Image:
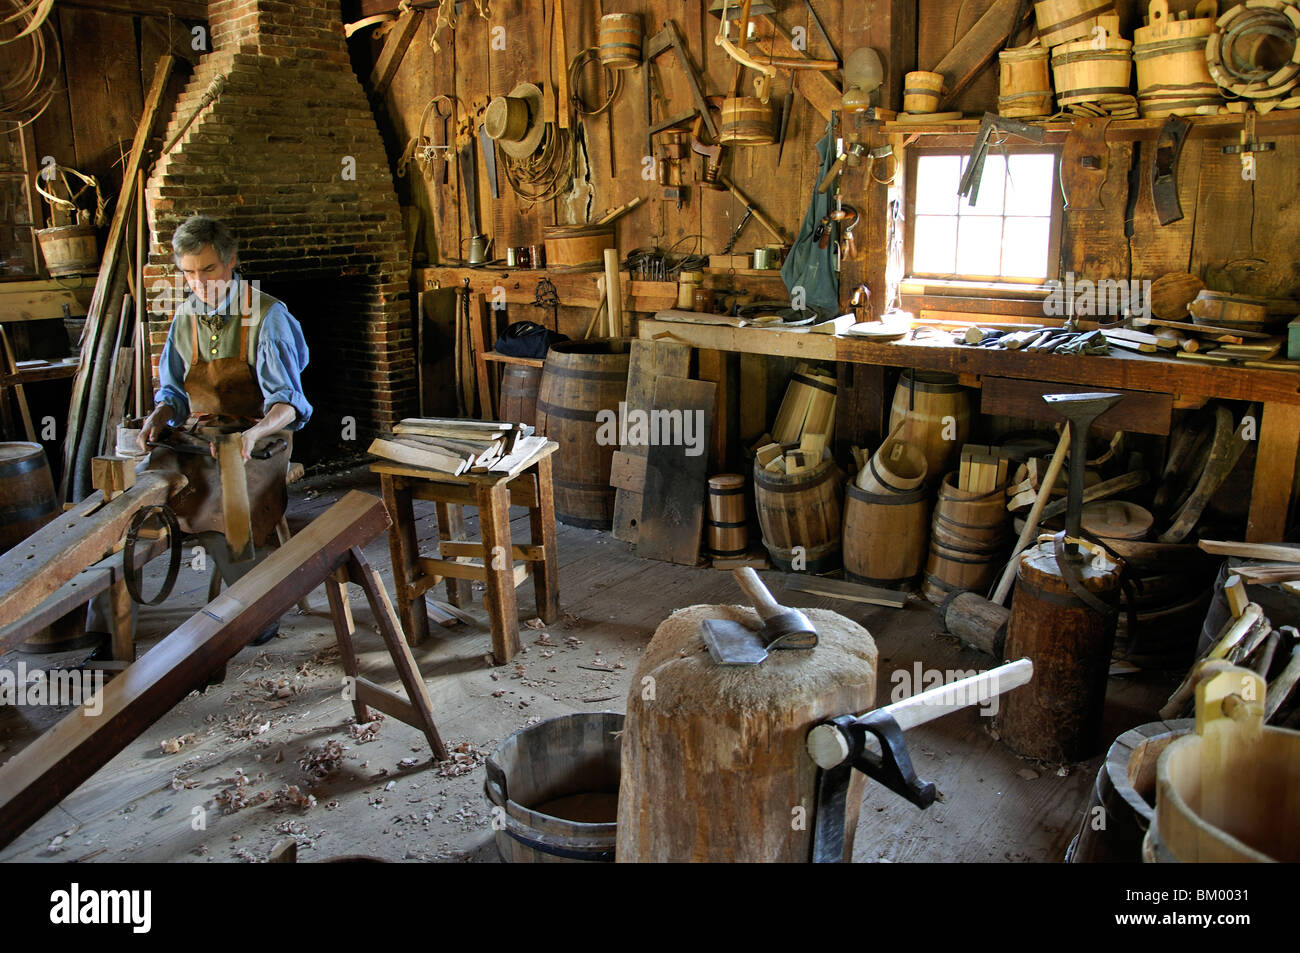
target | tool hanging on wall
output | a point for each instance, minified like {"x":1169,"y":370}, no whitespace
{"x":711,"y":151}
{"x":1164,"y":170}
{"x":489,"y":149}
{"x":670,"y":38}
{"x":1248,"y":147}
{"x":970,"y":180}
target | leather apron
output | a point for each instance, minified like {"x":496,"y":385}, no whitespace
{"x":224,"y":398}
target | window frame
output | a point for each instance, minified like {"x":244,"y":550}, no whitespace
{"x":916,"y":151}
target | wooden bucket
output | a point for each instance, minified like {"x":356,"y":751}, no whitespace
{"x":27,"y":497}
{"x":885,"y":515}
{"x":1085,"y":72}
{"x":922,"y":91}
{"x":1024,"y":83}
{"x":519,"y":383}
{"x":934,"y":411}
{"x":1060,"y":21}
{"x":553,"y":787}
{"x":1169,"y":58}
{"x":801,"y":512}
{"x":728,"y":529}
{"x":968,"y":539}
{"x":577,"y":247}
{"x":69,"y":249}
{"x":1242,"y":312}
{"x":620,"y":40}
{"x":580,"y":379}
{"x":1124,"y":796}
{"x":746,"y":121}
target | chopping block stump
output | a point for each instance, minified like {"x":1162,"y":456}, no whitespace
{"x":714,"y":764}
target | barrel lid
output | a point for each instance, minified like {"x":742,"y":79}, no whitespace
{"x":726,"y":481}
{"x":19,"y":450}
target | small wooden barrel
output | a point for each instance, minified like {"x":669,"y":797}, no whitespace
{"x":934,"y":411}
{"x":897,"y":467}
{"x":553,"y":787}
{"x":1242,"y":312}
{"x":728,"y":532}
{"x":1057,"y":716}
{"x":69,"y":249}
{"x":579,"y":380}
{"x":577,"y":247}
{"x":1169,"y":58}
{"x":27,"y":497}
{"x":1124,"y":796}
{"x":519,"y":383}
{"x":715,"y":758}
{"x":1060,"y":21}
{"x":800,"y":516}
{"x":1024,"y":83}
{"x":746,"y":121}
{"x":884,"y":536}
{"x":620,"y":40}
{"x":968,"y":539}
{"x":1086,"y":72}
{"x":922,"y":90}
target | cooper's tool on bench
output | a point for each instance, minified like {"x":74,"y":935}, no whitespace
{"x":840,"y":745}
{"x":970,"y":180}
{"x":731,"y":643}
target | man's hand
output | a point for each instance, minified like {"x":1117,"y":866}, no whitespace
{"x":277,"y":418}
{"x":154,"y":426}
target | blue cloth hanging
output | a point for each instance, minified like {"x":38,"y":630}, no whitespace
{"x":809,"y":267}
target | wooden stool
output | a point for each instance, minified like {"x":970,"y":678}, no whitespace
{"x":493,"y":494}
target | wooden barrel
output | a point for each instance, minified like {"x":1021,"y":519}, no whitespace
{"x":579,"y":380}
{"x":1060,"y":21}
{"x":746,"y":121}
{"x":922,"y":90}
{"x":884,"y":536}
{"x":934,"y":412}
{"x":577,"y":247}
{"x":968,"y":539}
{"x":1124,"y":796}
{"x":69,"y":249}
{"x":553,"y":787}
{"x":1024,"y":83}
{"x":519,"y":383}
{"x":728,"y":529}
{"x":27,"y":498}
{"x":800,"y":516}
{"x":1169,"y":58}
{"x":1057,"y":716}
{"x":1087,"y":72}
{"x":715,"y":759}
{"x":620,"y":40}
{"x":1240,"y":312}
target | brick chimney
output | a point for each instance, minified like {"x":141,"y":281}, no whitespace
{"x":289,"y":154}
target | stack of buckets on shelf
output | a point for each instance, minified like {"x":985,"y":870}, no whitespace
{"x":1092,"y":65}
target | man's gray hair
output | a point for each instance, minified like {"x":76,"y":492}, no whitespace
{"x":198,"y":231}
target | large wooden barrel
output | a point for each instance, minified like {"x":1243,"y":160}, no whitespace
{"x":885,"y":525}
{"x":1057,"y":716}
{"x":800,"y":516}
{"x":69,"y":249}
{"x":934,"y":412}
{"x":922,"y":91}
{"x":620,"y":40}
{"x":519,"y":383}
{"x":746,"y":121}
{"x":1124,"y":796}
{"x":1024,"y":83}
{"x":715,"y":762}
{"x":27,"y":498}
{"x":728,"y":528}
{"x":579,"y":380}
{"x":1060,"y":21}
{"x":1169,"y":58}
{"x":553,"y":787}
{"x":1086,"y":71}
{"x":968,"y":539}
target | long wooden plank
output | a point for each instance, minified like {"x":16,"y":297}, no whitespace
{"x":977,"y":48}
{"x":675,"y":474}
{"x":49,"y":769}
{"x":395,"y":46}
{"x":236,"y":512}
{"x":838,"y":589}
{"x":1138,"y":412}
{"x":1275,"y":462}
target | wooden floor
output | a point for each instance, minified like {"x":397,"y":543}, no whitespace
{"x":279,"y":728}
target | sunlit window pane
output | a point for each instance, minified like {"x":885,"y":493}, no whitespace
{"x":989,"y":201}
{"x":937,"y":179}
{"x":1024,"y":247}
{"x":934,"y":245}
{"x":1030,"y":181}
{"x":979,"y":241}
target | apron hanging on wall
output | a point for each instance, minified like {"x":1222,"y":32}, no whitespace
{"x":808,"y":266}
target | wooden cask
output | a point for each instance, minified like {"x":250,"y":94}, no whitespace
{"x":1057,"y":716}
{"x":1085,"y":71}
{"x":800,"y":516}
{"x":1024,"y":83}
{"x":746,"y":121}
{"x":69,"y":249}
{"x":715,"y":766}
{"x":922,"y":90}
{"x":519,"y":383}
{"x":1238,"y":312}
{"x":968,"y":540}
{"x":933,"y":411}
{"x":577,"y":247}
{"x":620,"y":40}
{"x":1169,"y":58}
{"x":553,"y":787}
{"x":1060,"y":21}
{"x":727,"y":525}
{"x":27,"y":497}
{"x":579,"y":380}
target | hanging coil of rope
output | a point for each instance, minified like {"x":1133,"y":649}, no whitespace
{"x":30,"y":88}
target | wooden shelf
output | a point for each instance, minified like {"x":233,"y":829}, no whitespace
{"x":1277,"y":122}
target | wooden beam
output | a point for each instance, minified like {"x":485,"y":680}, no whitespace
{"x":395,"y":45}
{"x":182,"y":9}
{"x":1275,"y":461}
{"x":49,"y":769}
{"x":978,"y":47}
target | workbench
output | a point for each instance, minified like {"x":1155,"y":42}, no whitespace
{"x":1185,"y":382}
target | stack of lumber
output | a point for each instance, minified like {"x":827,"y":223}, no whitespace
{"x":807,"y":408}
{"x":456,"y":446}
{"x":983,"y":469}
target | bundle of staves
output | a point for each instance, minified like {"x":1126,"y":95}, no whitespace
{"x":808,"y":406}
{"x":457,"y":446}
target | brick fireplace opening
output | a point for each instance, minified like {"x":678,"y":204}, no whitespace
{"x":289,"y":154}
